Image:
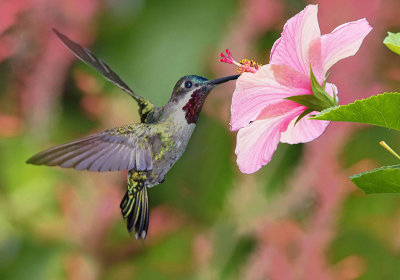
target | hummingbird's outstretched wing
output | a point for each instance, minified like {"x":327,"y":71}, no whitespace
{"x":122,"y":148}
{"x":88,"y":57}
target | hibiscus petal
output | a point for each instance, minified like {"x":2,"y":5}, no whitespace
{"x":281,"y":108}
{"x":269,"y":85}
{"x":298,"y":33}
{"x":304,"y":131}
{"x":307,"y":130}
{"x":257,"y":142}
{"x":331,"y":89}
{"x":343,"y":41}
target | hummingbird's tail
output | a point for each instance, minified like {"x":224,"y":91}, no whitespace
{"x":135,"y":205}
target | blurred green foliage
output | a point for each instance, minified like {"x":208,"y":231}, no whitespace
{"x":366,"y":230}
{"x":165,"y":41}
{"x":204,"y":196}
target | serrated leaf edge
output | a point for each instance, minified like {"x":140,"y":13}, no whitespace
{"x":396,"y":166}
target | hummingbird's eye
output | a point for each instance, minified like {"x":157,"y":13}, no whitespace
{"x":188,"y":84}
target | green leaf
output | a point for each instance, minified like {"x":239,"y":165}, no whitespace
{"x":309,"y":101}
{"x":326,"y":80}
{"x":382,"y":110}
{"x":305,"y":113}
{"x":381,"y":180}
{"x":320,"y":92}
{"x":392,"y":41}
{"x":318,"y":101}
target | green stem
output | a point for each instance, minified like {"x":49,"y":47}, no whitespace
{"x":390,"y":150}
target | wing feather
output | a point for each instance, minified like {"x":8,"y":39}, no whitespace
{"x":89,"y":58}
{"x":74,"y":158}
{"x":105,"y":163}
{"x":110,"y":150}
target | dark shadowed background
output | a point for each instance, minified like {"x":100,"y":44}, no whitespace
{"x":298,"y":218}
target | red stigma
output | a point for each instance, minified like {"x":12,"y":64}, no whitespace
{"x":242,"y":66}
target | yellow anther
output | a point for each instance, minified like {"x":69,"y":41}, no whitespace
{"x":247,"y":65}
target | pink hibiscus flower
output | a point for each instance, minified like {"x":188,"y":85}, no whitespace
{"x":259,"y":109}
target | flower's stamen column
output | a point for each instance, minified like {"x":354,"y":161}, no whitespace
{"x":244,"y":65}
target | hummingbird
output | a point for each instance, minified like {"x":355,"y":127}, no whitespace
{"x":147,"y":150}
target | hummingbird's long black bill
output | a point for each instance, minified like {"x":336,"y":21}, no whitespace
{"x":223,"y":80}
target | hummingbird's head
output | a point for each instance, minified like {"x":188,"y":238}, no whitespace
{"x":191,"y":91}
